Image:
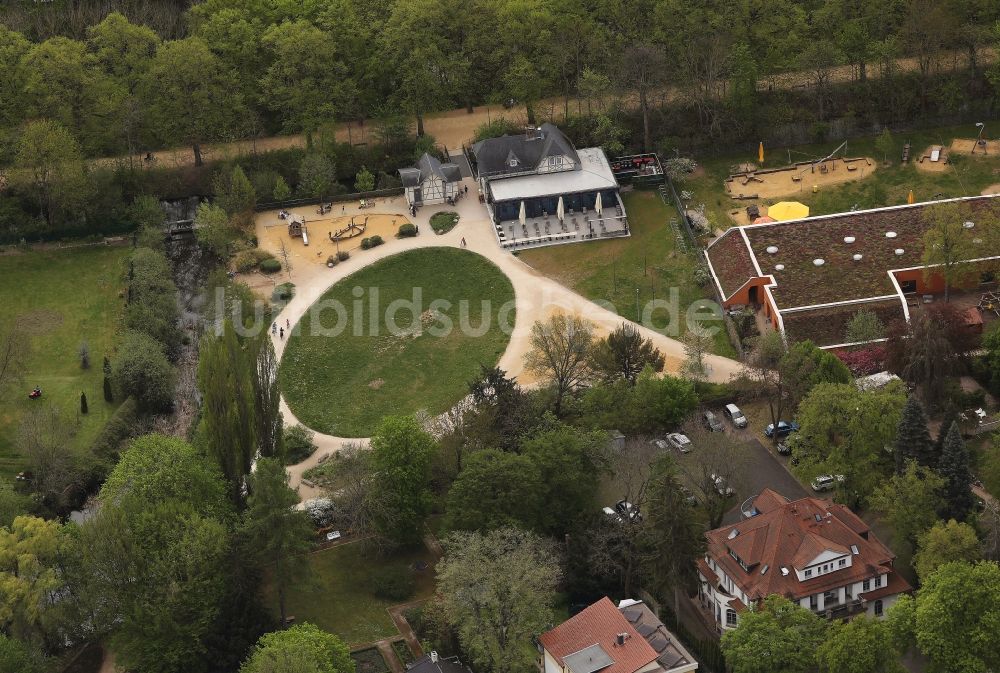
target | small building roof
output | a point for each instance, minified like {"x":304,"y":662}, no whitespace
{"x":594,"y":175}
{"x":431,"y":663}
{"x":529,"y":149}
{"x":428,"y":166}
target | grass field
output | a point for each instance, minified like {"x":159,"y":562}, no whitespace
{"x":648,"y":261}
{"x":61,"y":298}
{"x":344,"y":384}
{"x":889,"y":185}
{"x":338,"y":596}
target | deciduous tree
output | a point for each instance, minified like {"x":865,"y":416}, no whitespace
{"x":496,"y":489}
{"x":624,"y":353}
{"x":910,"y":502}
{"x":776,"y":636}
{"x":943,"y":543}
{"x":858,"y":646}
{"x":560,"y":349}
{"x":303,"y":648}
{"x":51,"y":165}
{"x":401,"y":456}
{"x":141,"y":369}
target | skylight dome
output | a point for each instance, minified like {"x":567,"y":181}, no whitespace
{"x":858,"y":257}
{"x":772,"y":249}
{"x":899,"y":251}
{"x":890,"y":234}
{"x":819,"y":261}
{"x":779,"y":267}
{"x":849,"y":239}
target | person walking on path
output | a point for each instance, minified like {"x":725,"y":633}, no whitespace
{"x":281,"y":332}
{"x":274,"y":328}
{"x":463,"y":241}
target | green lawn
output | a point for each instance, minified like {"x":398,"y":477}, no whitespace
{"x":444,"y":222}
{"x":61,"y":297}
{"x":344,"y":384}
{"x":648,"y":261}
{"x":888,"y":186}
{"x":338,"y":597}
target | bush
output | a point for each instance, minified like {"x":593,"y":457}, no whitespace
{"x":270,"y":266}
{"x":117,"y":429}
{"x":248,"y":260}
{"x":299,"y":444}
{"x":283,"y":292}
{"x":142,"y":370}
{"x":332,"y":260}
{"x":701,"y":275}
{"x":366,"y":243}
{"x":343,"y":255}
{"x":407,"y":230}
{"x":393,"y":584}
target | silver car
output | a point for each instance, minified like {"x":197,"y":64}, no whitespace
{"x":679,"y":441}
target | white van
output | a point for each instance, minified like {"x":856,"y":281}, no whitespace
{"x":734,"y":414}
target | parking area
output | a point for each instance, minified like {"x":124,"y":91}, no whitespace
{"x":765,"y":470}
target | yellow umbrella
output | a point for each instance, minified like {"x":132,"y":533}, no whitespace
{"x":788,"y":210}
{"x":909,"y":197}
{"x":760,"y":152}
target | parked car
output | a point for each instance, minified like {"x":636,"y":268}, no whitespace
{"x":612,"y":514}
{"x":627,"y":510}
{"x":721,"y":487}
{"x":734,"y":414}
{"x":679,"y":441}
{"x":784,"y":429}
{"x":825,"y":482}
{"x":712,"y":422}
{"x":784,"y":449}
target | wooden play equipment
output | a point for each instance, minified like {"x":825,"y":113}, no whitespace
{"x":297,"y":228}
{"x":835,"y":168}
{"x":352,"y":230}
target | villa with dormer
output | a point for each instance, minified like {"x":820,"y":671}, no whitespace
{"x":818,"y":554}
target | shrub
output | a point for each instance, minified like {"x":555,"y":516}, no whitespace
{"x":321,"y":511}
{"x":270,"y":266}
{"x":393,"y":584}
{"x":865,"y":360}
{"x":343,"y":255}
{"x":407,"y":230}
{"x":299,"y":444}
{"x":249,"y":259}
{"x":701,"y":275}
{"x":142,"y":370}
{"x":283,"y":292}
{"x":366,"y":243}
{"x":375,"y":241}
{"x":332,"y":260}
{"x":117,"y":429}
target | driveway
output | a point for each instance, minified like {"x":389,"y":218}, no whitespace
{"x":765,"y":470}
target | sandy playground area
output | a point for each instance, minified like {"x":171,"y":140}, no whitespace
{"x":965,"y":145}
{"x":926,"y":164}
{"x":798,"y":178}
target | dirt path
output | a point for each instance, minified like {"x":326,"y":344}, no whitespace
{"x":454,"y":127}
{"x":385,"y":647}
{"x":399,"y":619}
{"x":536,"y":296}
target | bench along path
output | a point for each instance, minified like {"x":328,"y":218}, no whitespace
{"x":537,"y":298}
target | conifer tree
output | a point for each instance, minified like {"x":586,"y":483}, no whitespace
{"x":954,"y":467}
{"x":83,"y":403}
{"x":913,"y":441}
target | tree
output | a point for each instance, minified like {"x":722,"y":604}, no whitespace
{"x":954,"y":467}
{"x":718,"y":456}
{"x":913,"y":440}
{"x":12,"y":504}
{"x":956,"y":617}
{"x":50,"y":166}
{"x":761,"y":373}
{"x":282,"y":192}
{"x":30,"y":581}
{"x":43,"y":438}
{"x":948,"y":244}
{"x":109,"y":395}
{"x":559,"y":351}
{"x":515,"y":575}
{"x":910,"y":502}
{"x":697,"y":344}
{"x":317,"y":175}
{"x":643,"y":69}
{"x":805,"y":366}
{"x":192,"y":96}
{"x":493,"y":490}
{"x":672,"y":530}
{"x":943,"y":543}
{"x":225,"y":376}
{"x":776,"y":636}
{"x":141,"y":370}
{"x":302,"y":648}
{"x":15,"y":656}
{"x":401,"y":456}
{"x":267,"y":396}
{"x":14,"y":348}
{"x":214,"y":230}
{"x":653,"y":404}
{"x":235,"y":194}
{"x":885,"y":145}
{"x":279,"y":533}
{"x":623,"y":354}
{"x":857,"y":646}
{"x":844,"y":430}
{"x":364,"y":181}
{"x":151,"y":299}
{"x":863,"y":327}
{"x":928,"y":355}
{"x":83,"y":403}
{"x":501,"y":415}
{"x":147,"y":213}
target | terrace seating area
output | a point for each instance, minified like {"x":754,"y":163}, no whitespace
{"x":548,"y":229}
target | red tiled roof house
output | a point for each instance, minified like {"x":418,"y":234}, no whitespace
{"x":817,"y":554}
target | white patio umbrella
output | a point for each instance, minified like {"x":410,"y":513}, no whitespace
{"x":522,"y":216}
{"x":597,"y":204}
{"x":561,"y":210}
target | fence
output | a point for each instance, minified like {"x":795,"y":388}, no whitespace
{"x":337,"y":198}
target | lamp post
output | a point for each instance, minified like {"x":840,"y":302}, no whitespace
{"x":638,"y":315}
{"x":979,"y":138}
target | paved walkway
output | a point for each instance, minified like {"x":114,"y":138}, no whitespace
{"x":537,"y":297}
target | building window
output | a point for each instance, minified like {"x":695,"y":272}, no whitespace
{"x":829,"y":597}
{"x":878,"y":581}
{"x":730,"y":617}
{"x":878,"y":608}
{"x":866,"y":585}
{"x":848,"y":592}
{"x":813,"y":602}
{"x":809,"y":572}
{"x":842,"y":562}
{"x":908,"y":286}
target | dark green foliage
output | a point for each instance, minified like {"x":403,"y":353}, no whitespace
{"x":16,"y":657}
{"x":373,"y":242}
{"x":151,"y":298}
{"x":651,"y":405}
{"x":283,"y":292}
{"x":444,"y":222}
{"x":141,"y":370}
{"x":299,"y":445}
{"x":270,"y":266}
{"x":83,"y":403}
{"x":913,"y":441}
{"x":393,"y":584}
{"x":117,"y":429}
{"x":493,"y":490}
{"x":401,"y":453}
{"x":954,"y":467}
{"x":623,"y":354}
{"x":343,"y":255}
{"x":109,"y":395}
{"x":407,"y":230}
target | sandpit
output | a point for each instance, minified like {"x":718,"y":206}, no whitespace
{"x":992,"y":189}
{"x":926,"y":164}
{"x":798,"y":178}
{"x":965,"y":145}
{"x":272,"y":231}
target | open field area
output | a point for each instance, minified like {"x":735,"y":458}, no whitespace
{"x":649,"y":261}
{"x":339,"y":598}
{"x":344,"y":384}
{"x":60,"y":298}
{"x":965,"y":175}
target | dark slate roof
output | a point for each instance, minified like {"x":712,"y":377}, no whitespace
{"x":443,"y":665}
{"x":428,"y":165}
{"x":493,"y":154}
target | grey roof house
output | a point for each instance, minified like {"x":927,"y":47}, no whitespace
{"x":432,"y":663}
{"x":430,"y":181}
